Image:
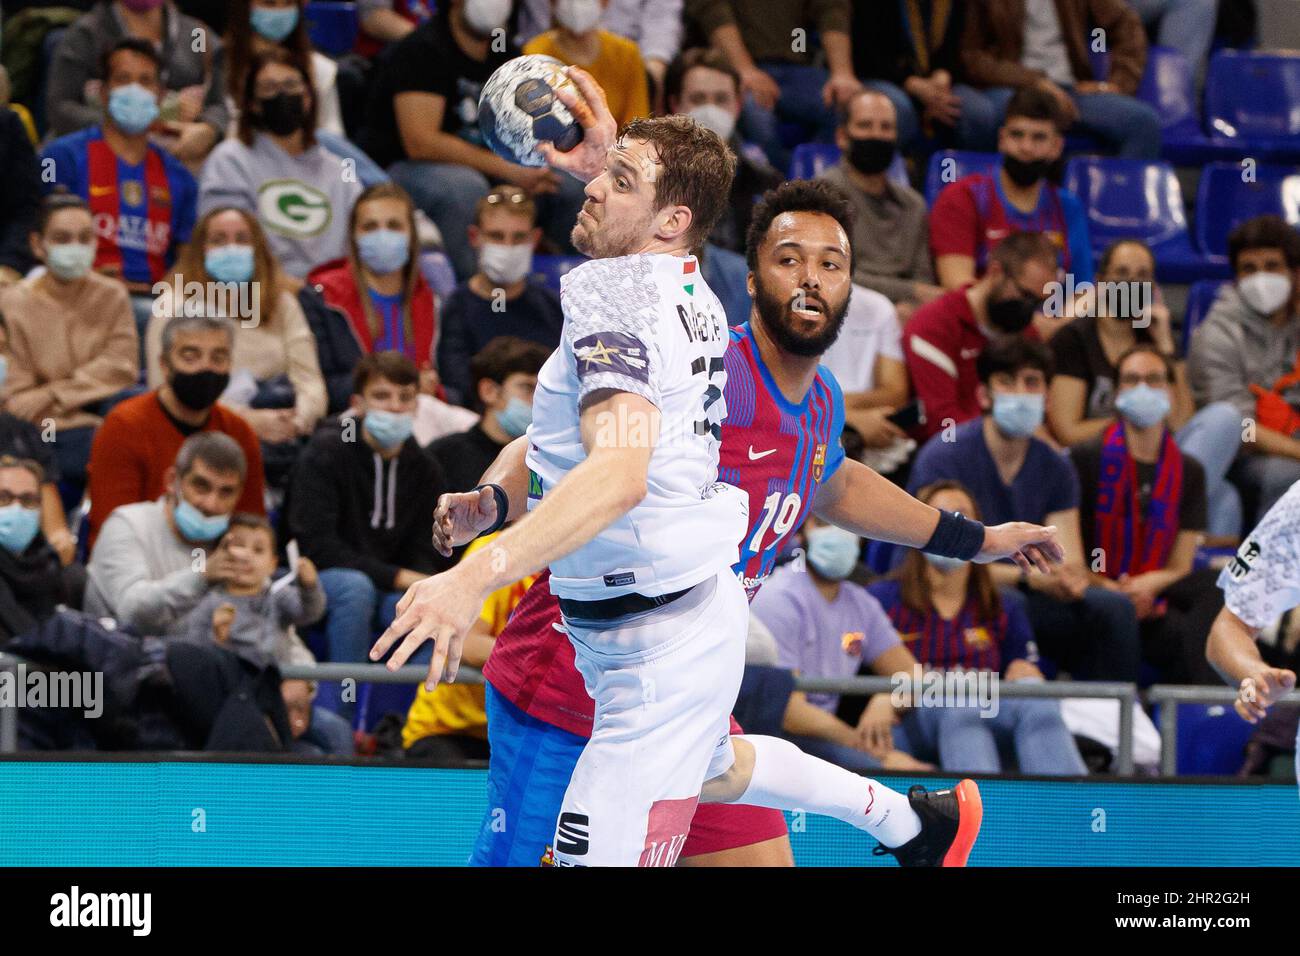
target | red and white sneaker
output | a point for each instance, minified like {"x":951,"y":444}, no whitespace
{"x":950,"y":822}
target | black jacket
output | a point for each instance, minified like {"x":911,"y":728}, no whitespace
{"x":349,"y":508}
{"x":32,"y":585}
{"x":21,"y":194}
{"x":337,"y":348}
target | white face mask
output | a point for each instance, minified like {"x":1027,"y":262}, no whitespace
{"x":484,"y":16}
{"x":713,"y":117}
{"x":1265,"y":292}
{"x":505,"y":265}
{"x":578,"y":16}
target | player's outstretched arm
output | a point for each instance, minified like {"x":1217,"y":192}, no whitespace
{"x":859,"y":499}
{"x":607,"y":484}
{"x":1235,"y":655}
{"x":586,"y":160}
{"x":460,"y":517}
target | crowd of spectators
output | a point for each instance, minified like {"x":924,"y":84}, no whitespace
{"x":261,"y":306}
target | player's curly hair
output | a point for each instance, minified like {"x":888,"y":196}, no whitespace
{"x":797,"y":195}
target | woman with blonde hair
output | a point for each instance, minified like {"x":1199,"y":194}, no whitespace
{"x":228,"y":270}
{"x":378,"y":285}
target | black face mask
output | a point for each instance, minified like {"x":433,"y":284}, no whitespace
{"x":282,"y":114}
{"x":198,"y":390}
{"x":1013,"y":315}
{"x":1026,"y":172}
{"x":871,"y":156}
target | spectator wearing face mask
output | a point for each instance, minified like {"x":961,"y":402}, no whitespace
{"x":614,"y":61}
{"x":944,"y":338}
{"x":379,"y":288}
{"x":187,"y":104}
{"x":72,"y":338}
{"x":33,"y":581}
{"x":275,"y":381}
{"x":827,"y":626}
{"x":142,"y":198}
{"x":504,"y":374}
{"x":952,"y":617}
{"x":972,"y":215}
{"x":702,"y":84}
{"x":1089,"y":630}
{"x":500,"y":298}
{"x":1247,"y":352}
{"x":139,"y":439}
{"x":276,"y":170}
{"x":891,"y":235}
{"x":361,"y":505}
{"x":1081,"y":402}
{"x":655,"y":26}
{"x":1142,"y":522}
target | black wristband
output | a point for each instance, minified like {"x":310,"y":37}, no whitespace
{"x":503,"y":507}
{"x":956,"y":536}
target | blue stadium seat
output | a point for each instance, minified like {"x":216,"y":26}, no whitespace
{"x":550,"y":268}
{"x":1252,"y":103}
{"x":331,"y":25}
{"x":810,"y":160}
{"x":949,"y":165}
{"x":1168,"y":86}
{"x":1223,"y":199}
{"x":1136,"y":199}
{"x":1200,"y":297}
{"x":1211,"y":739}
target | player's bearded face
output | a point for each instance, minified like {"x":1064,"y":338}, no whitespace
{"x":618,"y":217}
{"x":792,"y":332}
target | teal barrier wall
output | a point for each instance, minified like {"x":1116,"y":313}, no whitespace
{"x":67,"y":813}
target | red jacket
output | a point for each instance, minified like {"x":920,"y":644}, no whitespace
{"x":339,"y":289}
{"x":941,"y":344}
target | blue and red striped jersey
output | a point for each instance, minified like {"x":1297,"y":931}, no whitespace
{"x":968,"y":641}
{"x":142,"y":213}
{"x":776,"y":451}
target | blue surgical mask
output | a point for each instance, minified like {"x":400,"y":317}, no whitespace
{"x":1018,"y":414}
{"x":833,"y":552}
{"x":133,"y":108}
{"x":942,"y":563}
{"x":69,"y":260}
{"x":229,"y":263}
{"x":1143,"y":405}
{"x":18,"y":526}
{"x":274,"y":23}
{"x":384,"y":250}
{"x":389,"y":429}
{"x":194,"y":525}
{"x":515,"y":418}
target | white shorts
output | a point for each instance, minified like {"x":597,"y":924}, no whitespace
{"x":664,"y":683}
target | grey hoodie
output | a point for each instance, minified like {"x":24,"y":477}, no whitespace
{"x":1236,"y":346}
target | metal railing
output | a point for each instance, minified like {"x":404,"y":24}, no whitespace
{"x":1126,"y":694}
{"x":1173,"y":695}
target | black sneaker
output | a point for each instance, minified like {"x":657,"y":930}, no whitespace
{"x":950,"y":822}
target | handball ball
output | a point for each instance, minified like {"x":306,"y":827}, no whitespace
{"x":519,"y":109}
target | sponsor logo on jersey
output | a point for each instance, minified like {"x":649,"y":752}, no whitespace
{"x":620,"y":580}
{"x":101,"y":190}
{"x":668,"y":824}
{"x":1239,"y":567}
{"x":755,"y":456}
{"x":571,"y":834}
{"x":819,"y":462}
{"x":615,"y":352}
{"x":293,"y":208}
{"x":132,"y":192}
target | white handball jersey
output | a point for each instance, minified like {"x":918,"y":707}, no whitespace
{"x":645,"y":324}
{"x":1263,"y":581}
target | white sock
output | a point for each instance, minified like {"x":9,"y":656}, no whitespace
{"x":786,"y":778}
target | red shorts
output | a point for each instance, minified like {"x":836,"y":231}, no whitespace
{"x":726,"y":826}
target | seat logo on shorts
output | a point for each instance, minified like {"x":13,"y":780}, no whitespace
{"x":571,"y":834}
